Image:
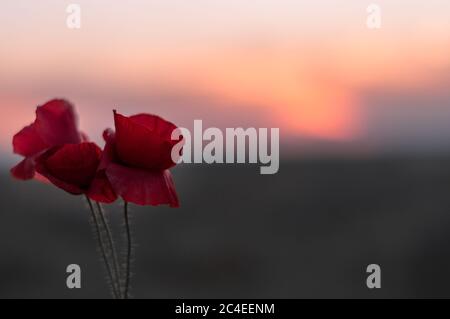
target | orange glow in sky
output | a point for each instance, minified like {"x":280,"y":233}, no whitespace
{"x":303,"y":68}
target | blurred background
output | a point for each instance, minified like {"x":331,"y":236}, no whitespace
{"x":365,"y":145}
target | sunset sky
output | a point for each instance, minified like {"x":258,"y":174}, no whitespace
{"x":313,"y":68}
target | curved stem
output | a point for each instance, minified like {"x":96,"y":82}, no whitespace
{"x":102,"y":247}
{"x":111,"y":246}
{"x":128,"y":260}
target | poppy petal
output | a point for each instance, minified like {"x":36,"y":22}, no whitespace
{"x":143,"y":187}
{"x":28,"y":142}
{"x":144,"y":141}
{"x":56,"y":123}
{"x":24,"y":170}
{"x":155,"y":124}
{"x":101,"y":189}
{"x":71,"y":167}
{"x":109,"y":154}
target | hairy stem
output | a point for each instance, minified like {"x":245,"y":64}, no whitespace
{"x":102,"y":248}
{"x":128,"y":256}
{"x":111,"y":247}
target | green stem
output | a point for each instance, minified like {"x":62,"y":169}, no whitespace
{"x":111,"y":246}
{"x":102,"y":247}
{"x":128,"y":260}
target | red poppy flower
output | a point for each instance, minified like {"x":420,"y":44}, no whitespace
{"x":55,"y":124}
{"x":137,"y":157}
{"x":74,"y":168}
{"x":57,"y":152}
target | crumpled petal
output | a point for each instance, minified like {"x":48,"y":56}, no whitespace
{"x":143,"y":187}
{"x":144,"y":141}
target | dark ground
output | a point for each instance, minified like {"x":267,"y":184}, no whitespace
{"x":309,"y":231}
